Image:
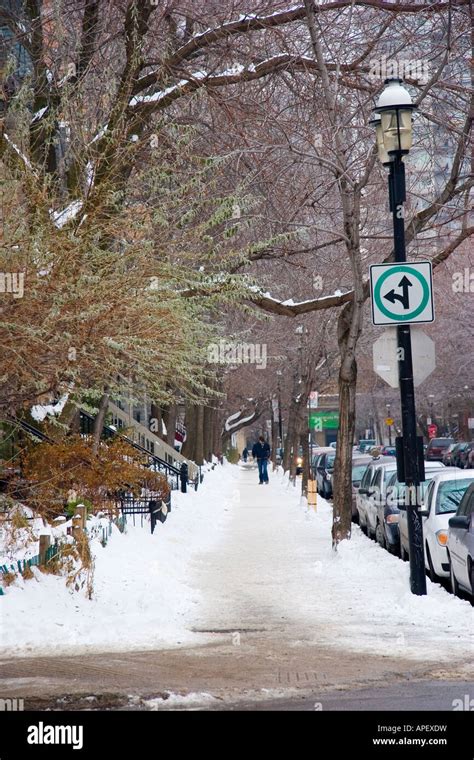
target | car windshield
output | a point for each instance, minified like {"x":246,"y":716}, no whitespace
{"x":358,"y":471}
{"x":400,"y":487}
{"x":388,"y":472}
{"x":450,"y":493}
{"x":441,"y":441}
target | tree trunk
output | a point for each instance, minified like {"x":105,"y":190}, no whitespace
{"x":216,"y":433}
{"x":188,"y":449}
{"x":290,"y":434}
{"x":99,"y":421}
{"x":156,"y":420}
{"x":274,"y":436}
{"x":171,"y":424}
{"x":306,"y":462}
{"x":199,"y":449}
{"x":295,"y":446}
{"x":207,"y":432}
{"x":349,"y":325}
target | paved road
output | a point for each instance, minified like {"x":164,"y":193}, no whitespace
{"x":399,"y":696}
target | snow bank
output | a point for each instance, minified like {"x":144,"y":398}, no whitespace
{"x":143,"y":593}
{"x":359,"y":598}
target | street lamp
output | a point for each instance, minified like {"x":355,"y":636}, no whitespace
{"x":393,"y":124}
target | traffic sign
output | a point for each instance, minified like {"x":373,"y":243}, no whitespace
{"x":323,"y":420}
{"x":389,"y":421}
{"x":386,"y":356}
{"x":432,"y":430}
{"x":401,"y":293}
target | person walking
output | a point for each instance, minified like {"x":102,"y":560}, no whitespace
{"x":261,"y":452}
{"x":245,"y":454}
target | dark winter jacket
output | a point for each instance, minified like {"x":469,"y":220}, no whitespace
{"x":261,"y":450}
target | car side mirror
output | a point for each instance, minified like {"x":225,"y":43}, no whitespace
{"x":424,"y":512}
{"x":460,"y":521}
{"x":363,"y":491}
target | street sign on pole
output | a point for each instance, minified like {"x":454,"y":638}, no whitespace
{"x":386,"y":356}
{"x":401,"y":293}
{"x":432,"y":430}
{"x":323,"y":420}
{"x":389,"y":421}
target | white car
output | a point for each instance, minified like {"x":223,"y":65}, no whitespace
{"x":441,"y":500}
{"x":461,"y":544}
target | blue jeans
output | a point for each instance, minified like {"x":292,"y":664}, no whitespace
{"x":262,"y":470}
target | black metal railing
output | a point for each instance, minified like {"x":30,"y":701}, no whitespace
{"x":154,"y":462}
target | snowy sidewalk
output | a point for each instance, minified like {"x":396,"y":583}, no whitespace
{"x":239,"y":560}
{"x":143,"y":589}
{"x":274,"y":571}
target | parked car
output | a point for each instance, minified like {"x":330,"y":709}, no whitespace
{"x":470,"y":459}
{"x":360,"y":463}
{"x":324,"y":472}
{"x":457,"y":452}
{"x":436,"y":448}
{"x":461,"y":545}
{"x":365,"y":444}
{"x":321,"y":450}
{"x":367,"y":489}
{"x":388,"y":451}
{"x":377,"y":492}
{"x":388,"y":513}
{"x":466,"y":457}
{"x":447,"y":454}
{"x":441,"y":501}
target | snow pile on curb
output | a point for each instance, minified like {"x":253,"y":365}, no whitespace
{"x":142,"y":595}
{"x":362,"y":594}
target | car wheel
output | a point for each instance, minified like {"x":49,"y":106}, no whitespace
{"x":431,"y":572}
{"x":454,"y":583}
{"x":380,"y":536}
{"x":393,"y":548}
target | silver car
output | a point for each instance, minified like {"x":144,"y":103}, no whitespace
{"x":372,"y":490}
{"x":461,"y":545}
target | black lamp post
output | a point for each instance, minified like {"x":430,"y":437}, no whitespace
{"x":393,"y":123}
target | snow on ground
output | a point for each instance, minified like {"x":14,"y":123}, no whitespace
{"x":234,"y":556}
{"x":359,"y":598}
{"x":176,"y":701}
{"x":275,"y":571}
{"x":142,"y":587}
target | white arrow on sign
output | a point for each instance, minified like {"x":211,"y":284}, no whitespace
{"x":401,"y":293}
{"x":386,"y":359}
